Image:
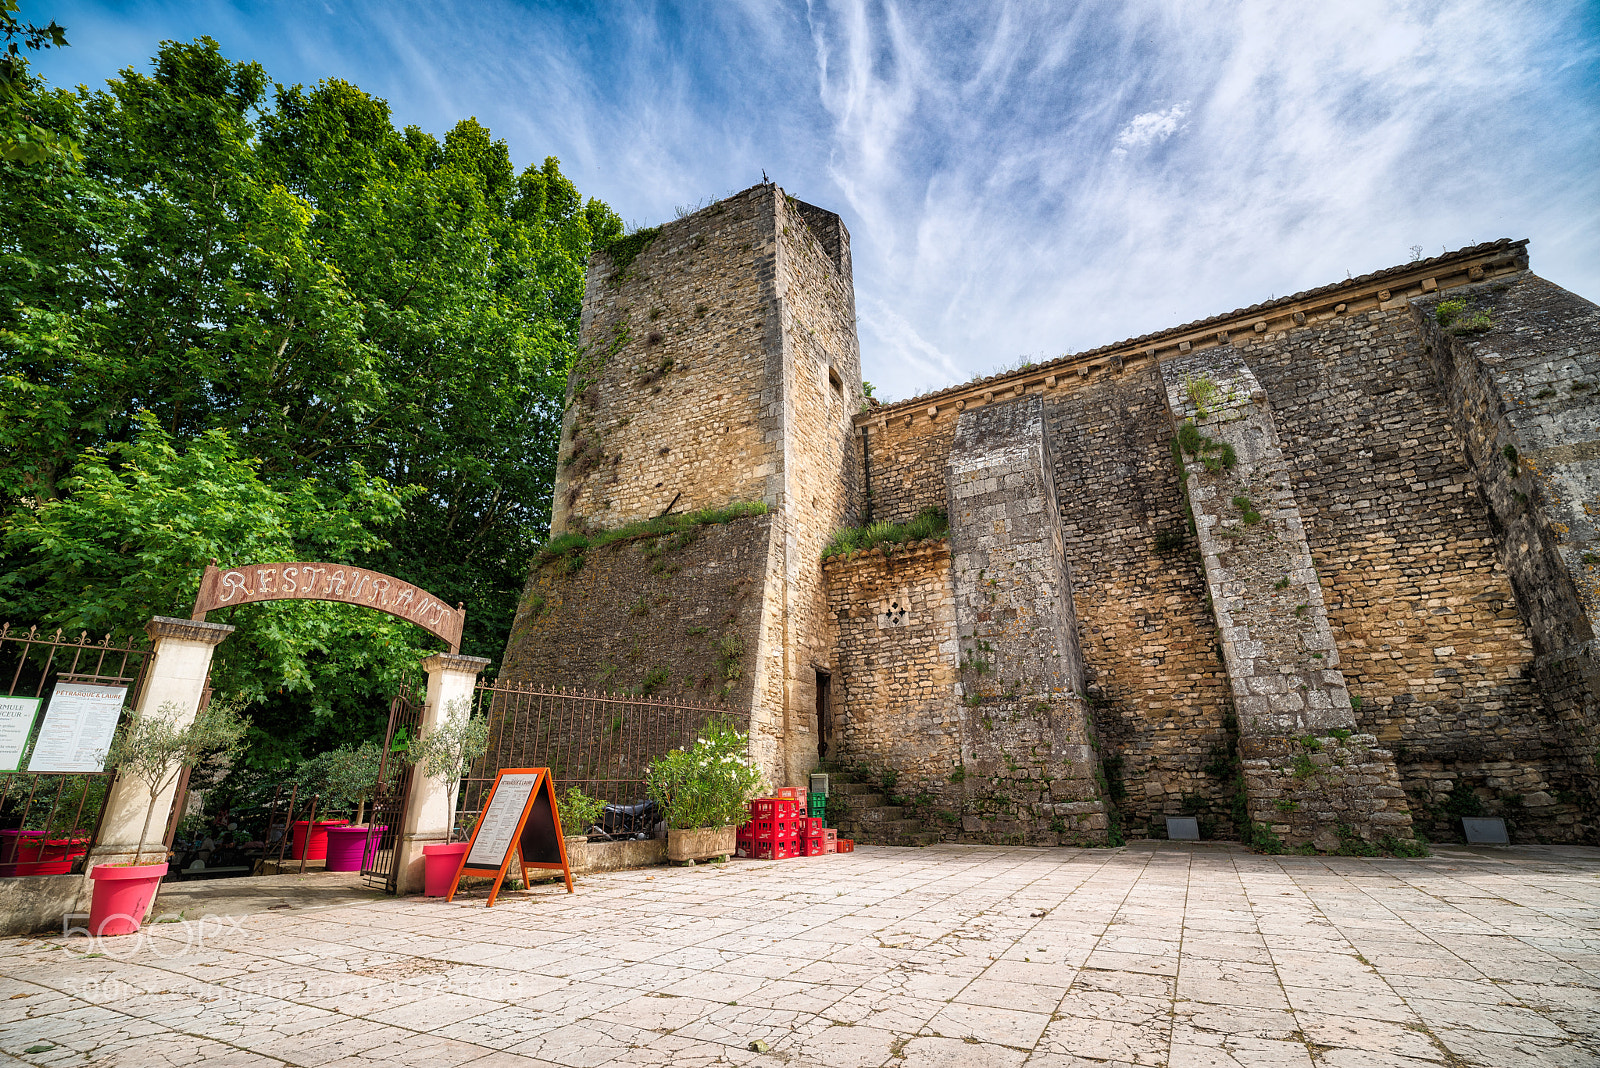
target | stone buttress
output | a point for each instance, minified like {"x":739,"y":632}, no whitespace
{"x":1029,"y":745}
{"x":1310,"y":775}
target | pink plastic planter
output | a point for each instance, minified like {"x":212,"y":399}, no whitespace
{"x":41,"y":867}
{"x":349,"y":847}
{"x":443,"y":862}
{"x":122,"y":894}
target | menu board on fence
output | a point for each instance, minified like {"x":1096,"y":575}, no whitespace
{"x":520,"y":816}
{"x":78,"y":726}
{"x":16,"y":723}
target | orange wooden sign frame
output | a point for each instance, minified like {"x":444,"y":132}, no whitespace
{"x":521,"y":841}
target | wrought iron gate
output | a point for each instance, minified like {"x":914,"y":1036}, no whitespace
{"x":380,"y":866}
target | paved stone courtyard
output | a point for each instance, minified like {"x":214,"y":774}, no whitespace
{"x":1153,"y":954}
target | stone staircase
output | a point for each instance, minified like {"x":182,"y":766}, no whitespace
{"x":859,"y":809}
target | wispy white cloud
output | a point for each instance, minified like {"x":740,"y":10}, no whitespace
{"x":1019,"y":176}
{"x":1150,"y":128}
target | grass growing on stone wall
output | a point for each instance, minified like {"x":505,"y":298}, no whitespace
{"x":1170,"y":539}
{"x":626,"y":248}
{"x":729,"y":651}
{"x":654,"y":679}
{"x":1203,"y":393}
{"x":929,"y":523}
{"x":1217,"y":456}
{"x":1461,"y":317}
{"x":571,"y":548}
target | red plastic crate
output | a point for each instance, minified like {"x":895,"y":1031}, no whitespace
{"x":746,"y":847}
{"x":847,"y":845}
{"x":788,"y":793}
{"x":811,"y":825}
{"x":764,"y":808}
{"x":814,"y":845}
{"x":788,"y":807}
{"x":786,"y":848}
{"x":830,"y":842}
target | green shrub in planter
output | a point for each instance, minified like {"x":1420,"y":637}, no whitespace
{"x":707,"y":784}
{"x":579,"y":811}
{"x":345,"y":779}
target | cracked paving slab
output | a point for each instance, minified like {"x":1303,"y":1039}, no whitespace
{"x":1163,"y":954}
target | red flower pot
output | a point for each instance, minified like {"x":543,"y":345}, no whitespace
{"x":122,"y":894}
{"x":318,"y":834}
{"x":13,"y":842}
{"x":60,"y":849}
{"x":40,"y":867}
{"x":443,"y":861}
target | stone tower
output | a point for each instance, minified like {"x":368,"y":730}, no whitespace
{"x":719,"y":366}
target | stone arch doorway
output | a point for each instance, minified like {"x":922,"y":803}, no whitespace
{"x":180,"y":663}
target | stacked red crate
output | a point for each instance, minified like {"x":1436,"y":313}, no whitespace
{"x":773,"y":831}
{"x":779,"y":829}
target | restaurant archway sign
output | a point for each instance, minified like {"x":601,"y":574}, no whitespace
{"x":293,"y":580}
{"x":180,"y":663}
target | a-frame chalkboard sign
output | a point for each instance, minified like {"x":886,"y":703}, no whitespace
{"x":519,"y":816}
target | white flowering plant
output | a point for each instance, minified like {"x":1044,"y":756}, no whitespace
{"x":709,"y":783}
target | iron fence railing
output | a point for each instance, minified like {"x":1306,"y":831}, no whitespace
{"x":600,"y":743}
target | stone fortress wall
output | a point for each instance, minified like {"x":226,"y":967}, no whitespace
{"x":1436,"y":638}
{"x":1402,"y":635}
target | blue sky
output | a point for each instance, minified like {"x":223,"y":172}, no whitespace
{"x":1019,"y":179}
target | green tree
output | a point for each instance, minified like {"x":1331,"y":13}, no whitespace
{"x":22,"y":141}
{"x":344,"y":779}
{"x":366,"y":314}
{"x":138,"y":520}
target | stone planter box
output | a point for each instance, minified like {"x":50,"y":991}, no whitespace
{"x":585,"y":856}
{"x":702,"y":843}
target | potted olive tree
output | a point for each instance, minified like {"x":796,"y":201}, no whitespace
{"x":351,"y":779}
{"x":705,"y":791}
{"x":444,"y":754}
{"x":151,"y":749}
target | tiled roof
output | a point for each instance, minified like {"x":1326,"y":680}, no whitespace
{"x":1364,"y":281}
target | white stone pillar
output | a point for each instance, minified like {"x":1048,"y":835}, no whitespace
{"x":176,"y":676}
{"x":451,"y":677}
